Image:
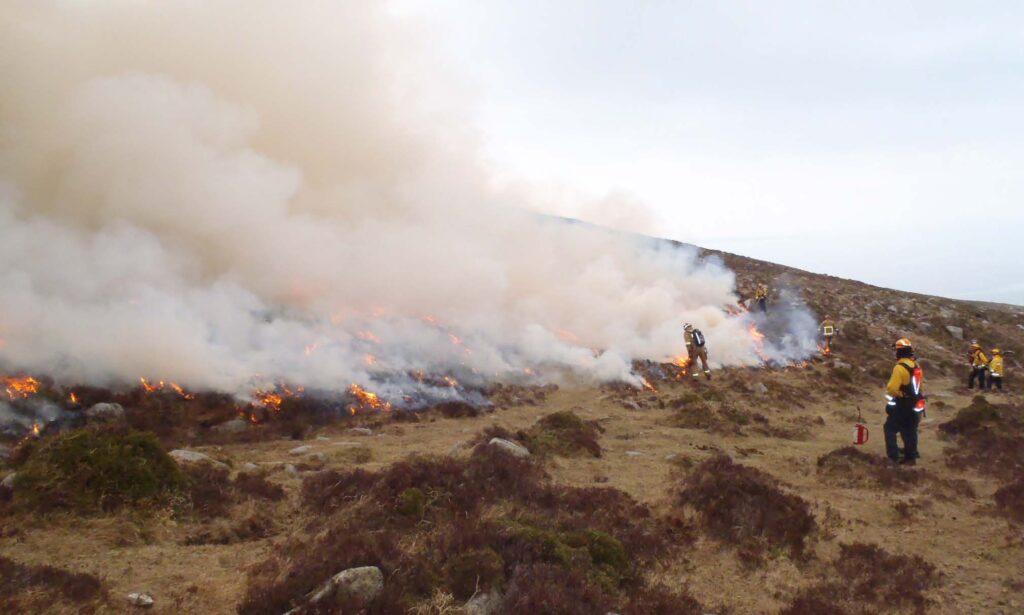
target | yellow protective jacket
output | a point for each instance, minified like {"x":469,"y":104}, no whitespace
{"x":761,"y":292}
{"x":996,"y":366}
{"x":688,"y":338}
{"x":978,"y":358}
{"x":900,"y":378}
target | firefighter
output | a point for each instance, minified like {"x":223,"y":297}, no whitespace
{"x":996,"y":372}
{"x":905,"y":404}
{"x":827,"y":329}
{"x":761,"y":296}
{"x":696,"y":348}
{"x":979,"y":363}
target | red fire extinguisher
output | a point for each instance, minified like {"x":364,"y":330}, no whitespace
{"x":860,"y":430}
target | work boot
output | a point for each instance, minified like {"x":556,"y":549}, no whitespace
{"x":708,"y":375}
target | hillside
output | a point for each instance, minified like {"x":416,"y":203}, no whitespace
{"x":737,"y":495}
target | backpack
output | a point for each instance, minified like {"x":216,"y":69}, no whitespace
{"x":912,"y":392}
{"x":698,"y":338}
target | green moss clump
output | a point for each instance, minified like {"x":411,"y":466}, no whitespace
{"x":96,"y":469}
{"x":562,"y":433}
{"x":562,"y":420}
{"x":598,"y":555}
{"x":412,"y":502}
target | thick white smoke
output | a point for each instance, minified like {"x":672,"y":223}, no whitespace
{"x":222,"y":193}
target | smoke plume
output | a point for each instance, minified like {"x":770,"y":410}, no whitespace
{"x":225,"y":193}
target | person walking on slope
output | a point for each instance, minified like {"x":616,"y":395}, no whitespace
{"x":979,"y":363}
{"x":905,"y":404}
{"x":996,"y":372}
{"x":696,"y":348}
{"x":827,"y":329}
{"x":761,"y":296}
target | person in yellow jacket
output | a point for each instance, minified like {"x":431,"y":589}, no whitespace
{"x":761,"y":296}
{"x":995,"y":368}
{"x":827,"y":329}
{"x":905,"y":403}
{"x":696,"y":348}
{"x":979,"y":364}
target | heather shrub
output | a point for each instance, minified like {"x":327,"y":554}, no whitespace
{"x":96,"y":469}
{"x":256,"y":485}
{"x":745,"y":507}
{"x":851,"y":467}
{"x":458,"y":526}
{"x":44,"y":589}
{"x":988,"y":438}
{"x":866,"y":579}
{"x":1010,"y":500}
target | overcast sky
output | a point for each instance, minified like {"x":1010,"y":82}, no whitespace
{"x":881,"y":141}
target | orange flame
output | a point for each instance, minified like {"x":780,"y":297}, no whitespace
{"x":152,"y":387}
{"x":73,"y":398}
{"x":824,"y":350}
{"x":368,"y":336}
{"x":367,"y":400}
{"x":648,"y":385}
{"x":269,"y":399}
{"x":180,"y":391}
{"x":683,"y":362}
{"x":35,"y":430}
{"x":20,"y":386}
{"x":370,"y":359}
{"x":758,"y":339}
{"x":452,"y":382}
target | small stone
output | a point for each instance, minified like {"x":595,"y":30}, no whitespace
{"x":956,"y":332}
{"x":362,"y":431}
{"x":323,"y":438}
{"x":633,"y":453}
{"x":510,"y":447}
{"x":142,"y":600}
{"x":360,"y":584}
{"x":184,"y":456}
{"x":300,"y":450}
{"x":232,"y":426}
{"x":760,"y":388}
{"x":291,"y":470}
{"x":249,"y":466}
{"x":8,"y":481}
{"x":630,"y":404}
{"x":105,"y":413}
{"x":486,"y":603}
{"x":457,"y":447}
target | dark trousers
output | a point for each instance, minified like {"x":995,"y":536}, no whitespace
{"x":979,"y":373}
{"x":762,"y":304}
{"x":997,"y":381}
{"x":902,"y":421}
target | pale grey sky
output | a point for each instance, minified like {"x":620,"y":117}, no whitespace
{"x":881,"y":141}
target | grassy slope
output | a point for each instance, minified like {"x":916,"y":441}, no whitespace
{"x":978,"y":552}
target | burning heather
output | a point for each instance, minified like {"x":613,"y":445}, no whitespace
{"x":188,"y":217}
